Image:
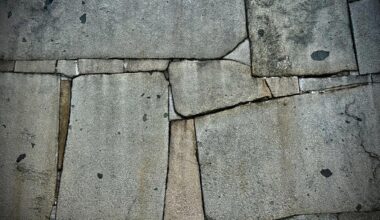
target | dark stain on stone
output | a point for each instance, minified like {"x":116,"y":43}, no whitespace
{"x":118,"y":132}
{"x":158,"y":96}
{"x":320,"y":55}
{"x":148,"y":97}
{"x":142,"y":94}
{"x":155,"y":189}
{"x":4,"y":126}
{"x":261,"y":32}
{"x":166,"y":115}
{"x":8,"y":99}
{"x":100,"y":175}
{"x":47,"y":3}
{"x":358,"y":207}
{"x":24,"y":39}
{"x":348,"y":122}
{"x":326,"y":173}
{"x":20,"y":157}
{"x":145,"y":117}
{"x":33,"y":144}
{"x":9,"y":14}
{"x":83,"y":2}
{"x":83,"y":18}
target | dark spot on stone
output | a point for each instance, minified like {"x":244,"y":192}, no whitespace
{"x":166,"y":115}
{"x":8,"y":99}
{"x":158,"y":96}
{"x":20,"y":157}
{"x":4,"y":126}
{"x":261,"y":32}
{"x":271,"y":202}
{"x":70,"y":127}
{"x":80,"y":129}
{"x":9,"y":14}
{"x":33,"y":144}
{"x":155,"y":189}
{"x":142,"y":94}
{"x":320,"y":55}
{"x":100,"y":176}
{"x":23,"y":39}
{"x":348,"y":122}
{"x":308,"y":194}
{"x":118,"y":132}
{"x":148,"y":97}
{"x":47,"y":3}
{"x":72,"y":106}
{"x":326,"y":173}
{"x":145,"y":117}
{"x":358,"y":207}
{"x":83,"y":19}
{"x":83,"y":2}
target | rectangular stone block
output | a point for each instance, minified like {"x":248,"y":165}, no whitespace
{"x":145,"y":65}
{"x":100,"y":66}
{"x":310,"y":84}
{"x":117,"y":148}
{"x":35,"y":66}
{"x":366,"y":28}
{"x":7,"y":65}
{"x":283,"y":86}
{"x":300,"y":37}
{"x":202,"y":86}
{"x":29,"y":109}
{"x":183,"y":194}
{"x":68,"y":67}
{"x":172,"y":113}
{"x":312,"y":153}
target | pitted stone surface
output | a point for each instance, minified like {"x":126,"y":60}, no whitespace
{"x":100,"y":66}
{"x":29,"y":106}
{"x":7,"y":65}
{"x":183,"y":195}
{"x":202,"y":86}
{"x":68,"y":67}
{"x":35,"y":66}
{"x":302,"y":154}
{"x":300,"y":37}
{"x":73,"y":29}
{"x":241,"y":53}
{"x":309,"y":84}
{"x":366,"y":26}
{"x":283,"y":86}
{"x":145,"y":65}
{"x":117,"y":149}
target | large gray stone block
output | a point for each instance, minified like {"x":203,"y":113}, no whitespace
{"x":36,"y":29}
{"x":117,"y":148}
{"x":203,"y":86}
{"x":300,"y":37}
{"x":366,"y":26}
{"x":312,"y":153}
{"x":29,"y":108}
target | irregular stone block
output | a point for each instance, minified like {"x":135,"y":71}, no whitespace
{"x":203,"y":86}
{"x":29,"y":109}
{"x":100,"y":66}
{"x":7,"y":65}
{"x":145,"y":65}
{"x":312,"y":153}
{"x":183,"y":195}
{"x":360,"y":216}
{"x":366,"y":26}
{"x":283,"y":86}
{"x":117,"y":148}
{"x":68,"y":67}
{"x":314,"y":217}
{"x":241,"y":53}
{"x":376,"y":78}
{"x":35,"y":66}
{"x":172,"y":114}
{"x":309,"y":84}
{"x":300,"y":37}
{"x":74,"y":29}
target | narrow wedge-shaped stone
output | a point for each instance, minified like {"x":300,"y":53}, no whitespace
{"x":35,"y":66}
{"x":203,"y":86}
{"x":309,"y":84}
{"x":241,"y":53}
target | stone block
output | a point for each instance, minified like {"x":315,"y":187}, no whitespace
{"x":35,"y":66}
{"x":145,"y":65}
{"x":310,"y":84}
{"x":68,"y":67}
{"x":87,"y":66}
{"x":283,"y":86}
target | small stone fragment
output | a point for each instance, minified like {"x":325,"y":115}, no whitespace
{"x":35,"y":66}
{"x":145,"y":65}
{"x":68,"y":67}
{"x":241,"y":53}
{"x":100,"y":66}
{"x":314,"y":84}
{"x":283,"y":86}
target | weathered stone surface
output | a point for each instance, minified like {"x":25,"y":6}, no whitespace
{"x":366,"y":25}
{"x":172,"y":114}
{"x":241,"y":53}
{"x":100,"y":66}
{"x":117,"y":149}
{"x":309,"y":84}
{"x":360,"y":216}
{"x":376,"y":78}
{"x":35,"y":66}
{"x":202,"y":86}
{"x":73,"y":29}
{"x":183,"y":195}
{"x":312,"y":153}
{"x":68,"y":67}
{"x":300,"y":37}
{"x":29,"y":106}
{"x":314,"y":217}
{"x":7,"y":65}
{"x":145,"y":65}
{"x":283,"y":86}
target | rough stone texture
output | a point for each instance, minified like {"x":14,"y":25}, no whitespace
{"x":313,"y":153}
{"x":309,"y":84}
{"x":35,"y":66}
{"x":120,"y":28}
{"x":183,"y":195}
{"x":100,"y":66}
{"x":117,"y":149}
{"x":68,"y":67}
{"x":145,"y":65}
{"x":7,"y":65}
{"x":366,"y":24}
{"x":360,"y":216}
{"x":241,"y":53}
{"x":376,"y":78}
{"x":314,"y":217}
{"x":172,"y":114}
{"x":283,"y":86}
{"x":28,"y":146}
{"x":300,"y":37}
{"x":203,"y":86}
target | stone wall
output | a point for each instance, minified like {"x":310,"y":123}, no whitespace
{"x":245,"y":109}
